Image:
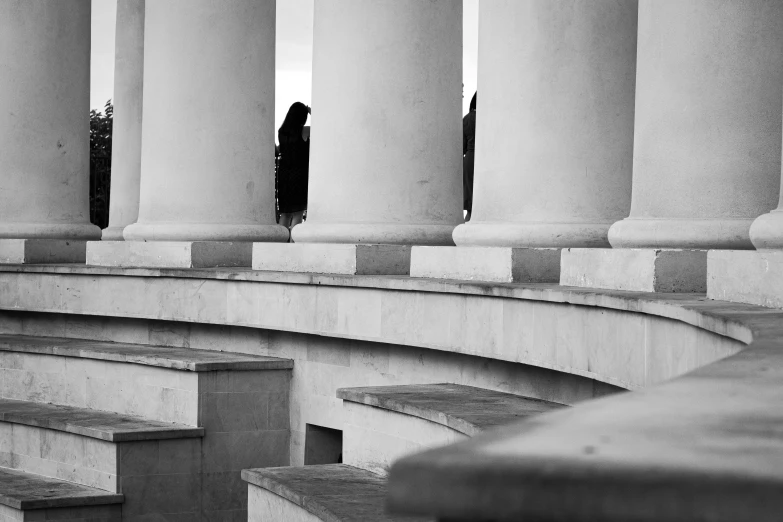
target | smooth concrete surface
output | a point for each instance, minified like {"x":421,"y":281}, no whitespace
{"x":704,"y":446}
{"x":169,"y":254}
{"x":322,"y":365}
{"x":582,"y":333}
{"x":707,"y":139}
{"x":330,"y":492}
{"x":374,"y":438}
{"x":328,"y":258}
{"x":554,"y":125}
{"x":497,"y":264}
{"x":204,"y":174}
{"x":107,"y":513}
{"x":263,"y":506}
{"x":637,"y":270}
{"x":126,"y":125}
{"x":398,"y":178}
{"x":466,"y":409}
{"x":96,"y":424}
{"x":24,"y":491}
{"x":753,"y":277}
{"x":37,"y":251}
{"x":386,"y":423}
{"x":44,"y":130}
{"x":176,"y":358}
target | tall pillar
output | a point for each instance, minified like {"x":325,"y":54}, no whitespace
{"x":126,"y":139}
{"x":385,"y":160}
{"x":707,"y":142}
{"x":554,"y":131}
{"x":44,"y":120}
{"x":207,"y":154}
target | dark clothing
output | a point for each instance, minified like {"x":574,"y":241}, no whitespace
{"x":468,"y":158}
{"x":292,"y":173}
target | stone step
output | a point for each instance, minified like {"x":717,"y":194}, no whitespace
{"x":329,"y":492}
{"x":163,"y":383}
{"x":88,"y":447}
{"x":241,"y":402}
{"x":25,"y":496}
{"x":384,"y":423}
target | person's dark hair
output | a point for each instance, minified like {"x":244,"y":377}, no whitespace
{"x":294,"y":121}
{"x":473,"y":102}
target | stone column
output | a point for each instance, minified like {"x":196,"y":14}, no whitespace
{"x":707,"y":141}
{"x":126,"y":140}
{"x":554,"y":133}
{"x":385,"y":162}
{"x":44,"y":120}
{"x":207,"y":160}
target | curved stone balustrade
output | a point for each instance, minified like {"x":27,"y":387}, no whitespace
{"x":625,"y":339}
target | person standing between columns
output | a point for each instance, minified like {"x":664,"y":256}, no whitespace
{"x":468,"y":156}
{"x":292,"y":175}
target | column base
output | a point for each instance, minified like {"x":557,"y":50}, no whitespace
{"x":389,"y":234}
{"x":332,"y":258}
{"x":686,"y":234}
{"x":169,"y":254}
{"x":766,"y":232}
{"x":533,"y":235}
{"x":82,"y":231}
{"x":492,"y":264}
{"x":638,"y":270}
{"x":195,"y":232}
{"x":746,"y":277}
{"x":39,"y":251}
{"x":112,"y":234}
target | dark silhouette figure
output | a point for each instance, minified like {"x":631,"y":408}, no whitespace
{"x":292,"y":173}
{"x":468,"y":156}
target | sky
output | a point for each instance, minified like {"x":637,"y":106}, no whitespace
{"x":294,"y":53}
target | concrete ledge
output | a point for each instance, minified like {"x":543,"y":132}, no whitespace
{"x":40,"y":251}
{"x":638,"y":270}
{"x":501,"y":265}
{"x":96,"y":424}
{"x":323,"y":258}
{"x":331,"y":492}
{"x":169,"y":254}
{"x":466,"y":409}
{"x":163,"y":357}
{"x":746,"y":276}
{"x":25,"y":491}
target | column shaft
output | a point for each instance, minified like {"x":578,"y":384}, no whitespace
{"x":707,"y":140}
{"x":207,"y":160}
{"x":554,"y":123}
{"x":44,"y":119}
{"x":128,"y":102}
{"x":385,"y":161}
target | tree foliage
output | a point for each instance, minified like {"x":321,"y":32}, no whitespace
{"x":100,"y":164}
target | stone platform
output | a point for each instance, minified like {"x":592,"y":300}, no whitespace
{"x":637,"y":270}
{"x":41,"y":251}
{"x":332,"y":258}
{"x":492,"y":264}
{"x":746,"y":276}
{"x":169,"y":254}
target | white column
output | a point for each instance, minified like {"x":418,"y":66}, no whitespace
{"x":554,"y":133}
{"x":44,"y":119}
{"x":708,"y":123}
{"x":207,"y":160}
{"x":126,"y":139}
{"x":386,"y":157}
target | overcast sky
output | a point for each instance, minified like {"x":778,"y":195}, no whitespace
{"x":294,"y":53}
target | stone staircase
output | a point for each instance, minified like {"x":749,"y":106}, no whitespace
{"x":94,"y":431}
{"x":383,"y":423}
